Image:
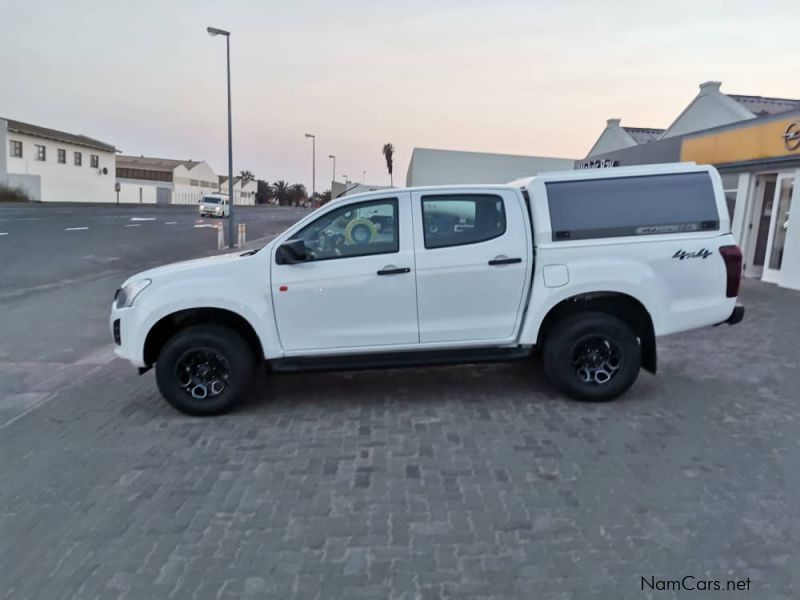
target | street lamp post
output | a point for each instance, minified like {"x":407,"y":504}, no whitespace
{"x":214,"y":31}
{"x":334,"y":167}
{"x":313,"y":165}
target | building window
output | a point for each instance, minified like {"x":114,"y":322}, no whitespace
{"x":781,"y":221}
{"x":41,"y":152}
{"x":78,"y":159}
{"x":730,"y":185}
{"x":16,"y":149}
{"x":62,"y":156}
{"x":94,"y":160}
{"x":193,"y":182}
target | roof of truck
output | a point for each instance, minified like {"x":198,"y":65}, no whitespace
{"x":525,"y":182}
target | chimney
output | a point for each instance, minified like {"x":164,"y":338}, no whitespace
{"x":710,"y":86}
{"x":613,"y":122}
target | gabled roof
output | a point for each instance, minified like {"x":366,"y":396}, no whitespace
{"x":762,"y":106}
{"x":153,"y":164}
{"x":642,"y":135}
{"x":58,"y":136}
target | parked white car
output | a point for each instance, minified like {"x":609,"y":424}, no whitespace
{"x":214,"y":205}
{"x":588,"y":268}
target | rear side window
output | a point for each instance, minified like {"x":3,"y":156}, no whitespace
{"x":458,"y":219}
{"x":626,"y":206}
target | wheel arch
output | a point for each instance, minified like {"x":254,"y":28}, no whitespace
{"x":620,"y":305}
{"x":168,"y":325}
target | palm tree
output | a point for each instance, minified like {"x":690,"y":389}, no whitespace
{"x":264,"y":192}
{"x":280,"y":191}
{"x":388,"y":153}
{"x":247,"y":176}
{"x":298,"y":193}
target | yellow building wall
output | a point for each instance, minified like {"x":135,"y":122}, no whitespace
{"x":740,"y":144}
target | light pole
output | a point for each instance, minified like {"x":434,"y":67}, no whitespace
{"x":334,"y":167}
{"x":214,"y":31}
{"x":313,"y":165}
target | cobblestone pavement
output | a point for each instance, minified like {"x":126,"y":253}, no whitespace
{"x":464,"y":482}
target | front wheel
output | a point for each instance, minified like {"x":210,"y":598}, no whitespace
{"x":592,"y":356}
{"x":204,"y":370}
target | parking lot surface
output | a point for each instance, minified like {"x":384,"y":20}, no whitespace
{"x":452,"y":482}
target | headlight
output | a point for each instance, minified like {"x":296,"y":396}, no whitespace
{"x":125,"y":296}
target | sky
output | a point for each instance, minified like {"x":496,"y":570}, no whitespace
{"x":519,"y":77}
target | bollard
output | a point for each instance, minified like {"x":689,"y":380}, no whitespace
{"x":220,"y":237}
{"x":242,"y":235}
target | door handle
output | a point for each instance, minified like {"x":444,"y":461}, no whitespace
{"x":394,"y":271}
{"x":504,"y":261}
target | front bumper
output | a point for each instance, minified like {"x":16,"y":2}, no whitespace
{"x":124,"y":325}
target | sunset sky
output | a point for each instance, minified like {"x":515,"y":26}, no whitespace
{"x":519,"y":77}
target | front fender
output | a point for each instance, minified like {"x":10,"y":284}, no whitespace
{"x":252,"y":303}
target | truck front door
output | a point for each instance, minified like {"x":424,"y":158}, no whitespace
{"x":473,"y":264}
{"x":357,"y":288}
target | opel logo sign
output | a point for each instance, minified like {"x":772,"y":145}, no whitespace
{"x":791,"y":139}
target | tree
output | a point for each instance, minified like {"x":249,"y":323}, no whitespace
{"x":298,"y":194}
{"x":280,"y":191}
{"x":247,"y":176}
{"x":388,"y":153}
{"x":324,"y":197}
{"x":264,"y":192}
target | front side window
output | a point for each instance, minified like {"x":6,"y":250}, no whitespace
{"x":16,"y":149}
{"x":78,"y":157}
{"x":41,"y":152}
{"x":94,"y":160}
{"x":458,"y":219}
{"x":62,"y":156}
{"x":353,"y":230}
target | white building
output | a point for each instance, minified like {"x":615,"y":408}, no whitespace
{"x":147,"y":180}
{"x":348,"y":188}
{"x":710,"y":108}
{"x":55,"y":166}
{"x":446,"y":167}
{"x":243,"y":193}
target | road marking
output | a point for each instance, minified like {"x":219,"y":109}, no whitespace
{"x":143,"y":218}
{"x":75,"y":228}
{"x":133,"y":225}
{"x":205,"y":225}
{"x":171,"y":223}
{"x":3,"y":233}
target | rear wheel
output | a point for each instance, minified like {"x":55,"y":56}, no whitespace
{"x":204,"y":369}
{"x":592,"y":356}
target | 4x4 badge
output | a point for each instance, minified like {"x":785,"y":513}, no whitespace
{"x":681,"y":254}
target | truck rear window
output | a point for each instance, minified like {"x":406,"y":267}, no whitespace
{"x":629,"y":206}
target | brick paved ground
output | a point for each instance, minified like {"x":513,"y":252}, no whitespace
{"x":467,"y":482}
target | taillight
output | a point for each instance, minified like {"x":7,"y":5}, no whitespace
{"x":732,"y":256}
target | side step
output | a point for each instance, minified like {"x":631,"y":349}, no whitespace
{"x":392,"y":360}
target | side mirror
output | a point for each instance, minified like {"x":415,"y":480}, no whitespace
{"x":291,"y":252}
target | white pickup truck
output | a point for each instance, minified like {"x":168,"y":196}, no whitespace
{"x":586,"y":268}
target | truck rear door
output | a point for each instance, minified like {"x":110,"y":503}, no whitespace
{"x":472,"y":252}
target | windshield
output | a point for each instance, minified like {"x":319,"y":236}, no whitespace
{"x":211,"y":200}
